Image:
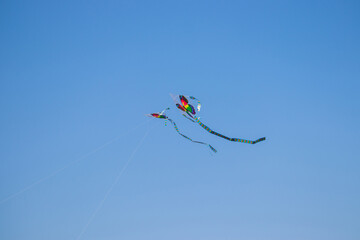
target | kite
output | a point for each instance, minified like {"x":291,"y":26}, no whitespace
{"x":187,"y":108}
{"x":161,"y":115}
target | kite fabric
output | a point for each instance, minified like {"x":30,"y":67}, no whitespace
{"x":186,"y":107}
{"x":163,"y":116}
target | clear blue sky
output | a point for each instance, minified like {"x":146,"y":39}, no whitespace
{"x":75,"y":74}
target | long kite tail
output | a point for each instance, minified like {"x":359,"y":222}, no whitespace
{"x":176,"y":128}
{"x":225,"y":137}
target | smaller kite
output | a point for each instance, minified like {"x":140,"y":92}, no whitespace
{"x":161,"y":115}
{"x":186,"y":107}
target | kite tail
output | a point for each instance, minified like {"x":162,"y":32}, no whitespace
{"x":225,"y":137}
{"x":176,"y":128}
{"x":259,"y":140}
{"x":211,"y":147}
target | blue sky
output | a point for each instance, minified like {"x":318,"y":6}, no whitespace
{"x":76,"y":74}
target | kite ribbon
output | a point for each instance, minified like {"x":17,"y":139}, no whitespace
{"x":166,"y":118}
{"x":176,"y":128}
{"x":227,"y":138}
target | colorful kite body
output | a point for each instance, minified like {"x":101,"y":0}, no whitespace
{"x":157,"y":115}
{"x":186,"y":106}
{"x":189,"y":110}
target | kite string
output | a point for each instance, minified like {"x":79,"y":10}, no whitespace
{"x":70,"y":164}
{"x":112,"y":185}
